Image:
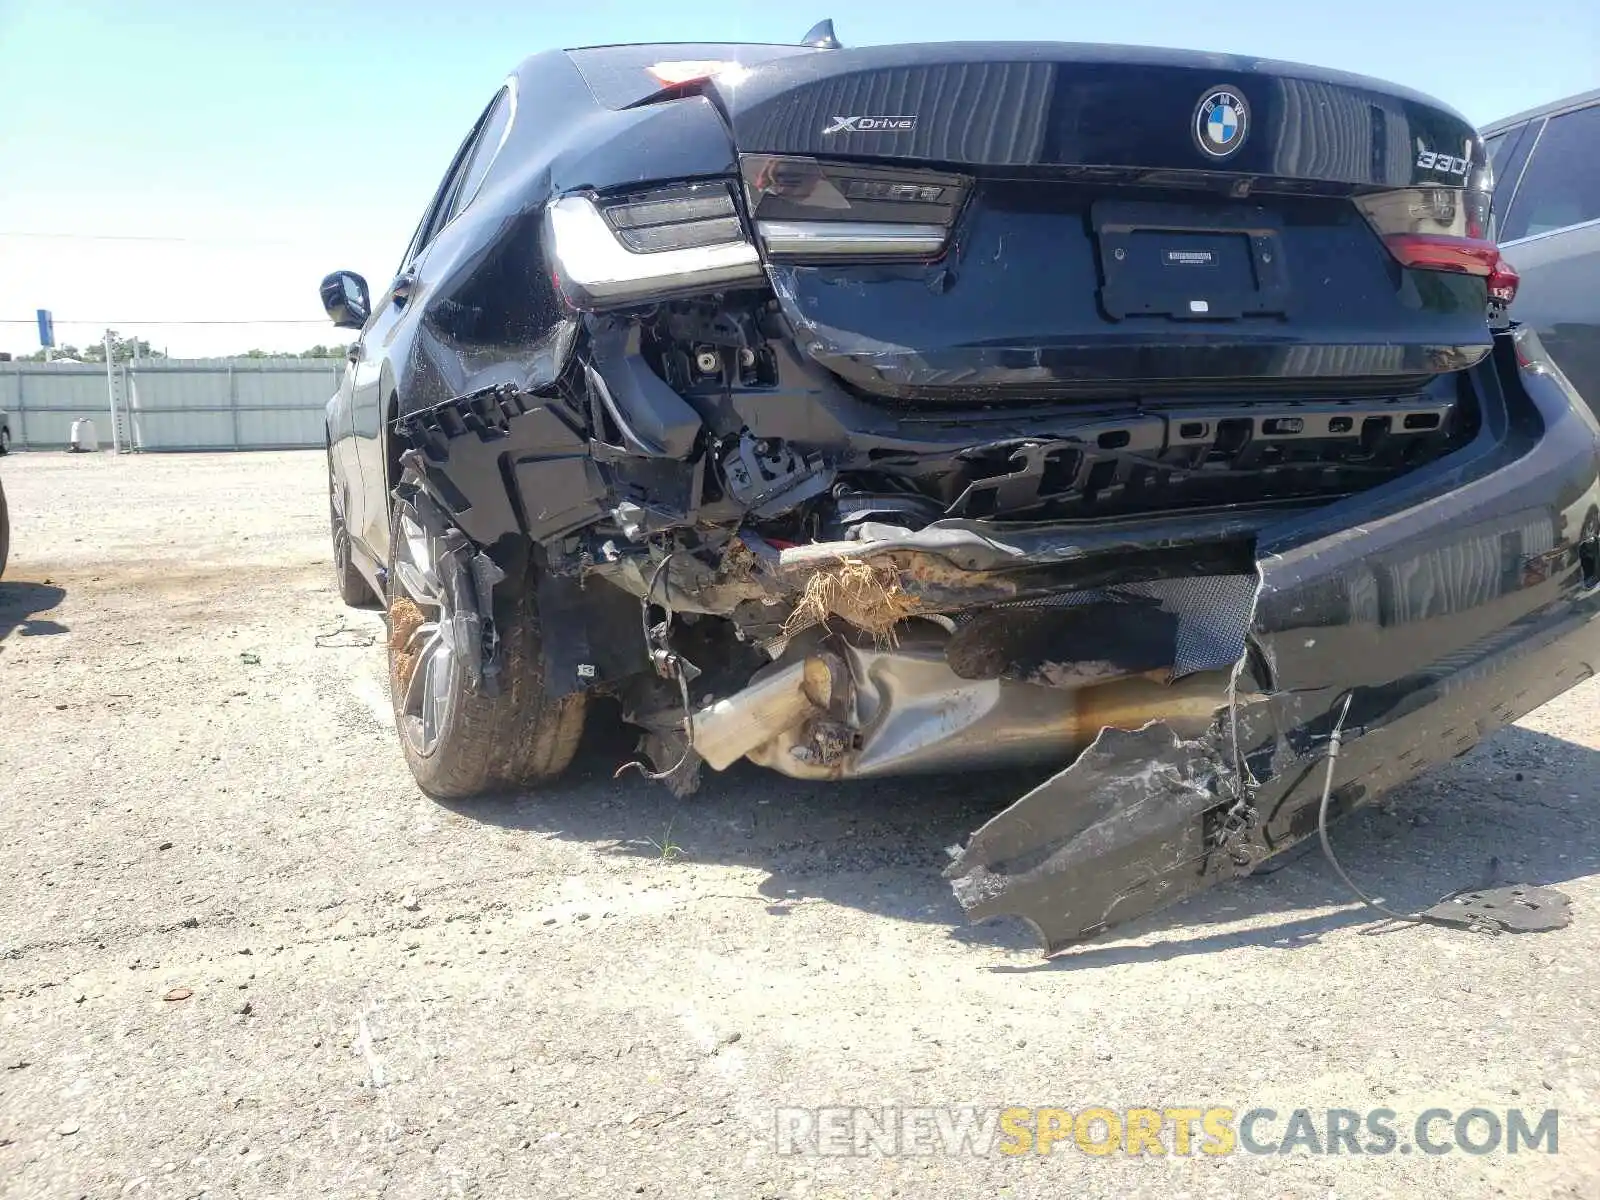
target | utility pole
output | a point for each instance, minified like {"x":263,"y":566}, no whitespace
{"x":111,"y":393}
{"x":116,"y":384}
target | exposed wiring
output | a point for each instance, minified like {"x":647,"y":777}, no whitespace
{"x":1241,"y":815}
{"x":648,"y":599}
{"x":688,"y":747}
{"x":1334,"y":741}
{"x":673,"y":664}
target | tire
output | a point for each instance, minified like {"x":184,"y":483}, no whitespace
{"x":460,"y":742}
{"x":354,"y":590}
{"x":5,"y":440}
{"x":5,"y":530}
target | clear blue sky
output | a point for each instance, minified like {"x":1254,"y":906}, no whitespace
{"x":279,"y":139}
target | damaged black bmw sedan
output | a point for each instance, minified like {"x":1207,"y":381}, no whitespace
{"x":1145,"y":416}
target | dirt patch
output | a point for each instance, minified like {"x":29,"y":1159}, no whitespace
{"x":405,"y":618}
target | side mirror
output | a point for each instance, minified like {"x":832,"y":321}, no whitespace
{"x":346,"y":299}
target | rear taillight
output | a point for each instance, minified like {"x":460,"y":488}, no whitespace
{"x":804,"y":208}
{"x":1503,"y":282}
{"x":1441,"y":252}
{"x":675,"y":218}
{"x":640,"y":248}
{"x":1441,"y":229}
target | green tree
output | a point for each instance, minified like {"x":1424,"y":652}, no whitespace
{"x":317,"y":351}
{"x":121,"y":350}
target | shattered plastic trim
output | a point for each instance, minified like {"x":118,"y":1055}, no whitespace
{"x":1142,"y":819}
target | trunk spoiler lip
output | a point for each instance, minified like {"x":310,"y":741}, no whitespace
{"x":787,"y":72}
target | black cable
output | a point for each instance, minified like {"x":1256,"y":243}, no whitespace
{"x":649,"y":598}
{"x":1334,"y":742}
{"x":677,"y":670}
{"x":688,"y":748}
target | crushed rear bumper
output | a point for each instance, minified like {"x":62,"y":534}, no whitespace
{"x":1446,"y":606}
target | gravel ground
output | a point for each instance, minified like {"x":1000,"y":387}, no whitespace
{"x":528,"y":996}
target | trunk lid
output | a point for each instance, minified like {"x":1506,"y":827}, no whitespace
{"x":1120,"y":220}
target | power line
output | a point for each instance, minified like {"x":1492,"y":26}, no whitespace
{"x":130,"y":321}
{"x":44,"y":235}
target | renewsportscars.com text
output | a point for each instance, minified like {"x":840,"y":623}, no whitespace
{"x":894,"y":1131}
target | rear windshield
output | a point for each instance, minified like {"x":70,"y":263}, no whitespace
{"x":619,"y":76}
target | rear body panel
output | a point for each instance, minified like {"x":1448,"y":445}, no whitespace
{"x":1106,"y":243}
{"x":1151,"y":347}
{"x":1446,"y":606}
{"x":1019,"y":306}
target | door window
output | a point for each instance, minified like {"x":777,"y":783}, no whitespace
{"x":1561,"y":183}
{"x":466,"y":162}
{"x":485,"y":146}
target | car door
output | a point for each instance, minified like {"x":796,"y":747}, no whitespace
{"x":1550,"y":232}
{"x":400,"y":305}
{"x":346,"y":481}
{"x":369,"y":516}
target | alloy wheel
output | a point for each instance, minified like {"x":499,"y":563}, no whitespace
{"x":423,"y":656}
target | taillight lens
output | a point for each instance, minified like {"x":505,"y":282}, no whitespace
{"x":1441,"y":252}
{"x":805,"y":208}
{"x":1503,"y":282}
{"x":1441,"y":229}
{"x":639,"y":248}
{"x":1448,"y":212}
{"x":675,"y":219}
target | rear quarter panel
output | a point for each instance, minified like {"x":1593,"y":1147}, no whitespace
{"x":491,"y":313}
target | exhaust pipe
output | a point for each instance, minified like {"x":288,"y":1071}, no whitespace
{"x":911,"y":714}
{"x":1187,"y":705}
{"x":731,"y":728}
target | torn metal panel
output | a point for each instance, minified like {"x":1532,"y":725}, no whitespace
{"x":1511,"y":908}
{"x":1116,"y":834}
{"x":1444,"y":608}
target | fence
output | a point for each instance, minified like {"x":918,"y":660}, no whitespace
{"x":172,"y":403}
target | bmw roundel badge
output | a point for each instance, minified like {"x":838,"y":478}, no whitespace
{"x":1221,"y":123}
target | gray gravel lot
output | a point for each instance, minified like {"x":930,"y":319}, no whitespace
{"x":524,"y":996}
